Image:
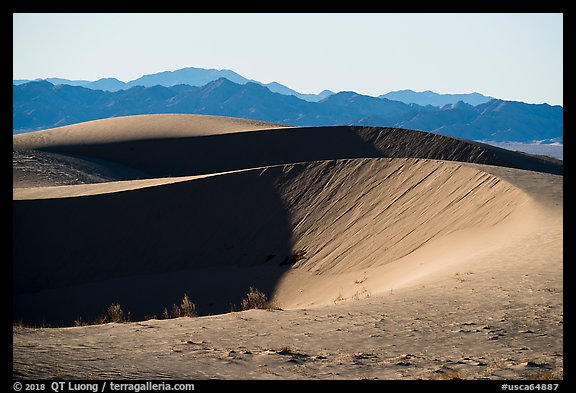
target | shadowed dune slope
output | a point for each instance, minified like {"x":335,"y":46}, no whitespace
{"x":392,"y":254}
{"x":145,"y":247}
{"x":181,"y":148}
{"x":210,"y":206}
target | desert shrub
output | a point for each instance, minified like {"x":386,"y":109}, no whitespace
{"x":32,"y":325}
{"x":255,"y":299}
{"x":176,"y":313}
{"x":185,"y":309}
{"x":114,"y":313}
{"x":102,"y":319}
{"x":21,"y":324}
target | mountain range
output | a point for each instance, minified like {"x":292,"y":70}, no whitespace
{"x":186,"y":76}
{"x":431,"y":98}
{"x":200,"y":76}
{"x":41,"y":104}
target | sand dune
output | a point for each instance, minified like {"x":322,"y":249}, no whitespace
{"x":36,"y":161}
{"x":181,"y":145}
{"x":351,"y":216}
{"x":139,"y":127}
{"x":210,"y":206}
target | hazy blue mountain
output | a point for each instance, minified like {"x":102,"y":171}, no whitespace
{"x":495,"y":120}
{"x":513,"y":121}
{"x":349,"y":107}
{"x":186,"y":76}
{"x":199,"y":77}
{"x":428,"y":97}
{"x":324,"y":94}
{"x":107,"y":84}
{"x":17,"y":82}
{"x":281,"y":89}
{"x":276,"y":87}
{"x":60,"y":81}
{"x":40,"y":104}
{"x":54,"y":81}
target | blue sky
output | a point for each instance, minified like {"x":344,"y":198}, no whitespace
{"x":508,"y":56}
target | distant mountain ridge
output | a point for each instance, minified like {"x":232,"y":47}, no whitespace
{"x":38,"y":105}
{"x":191,"y":76}
{"x":435,"y":99}
{"x":200,"y":76}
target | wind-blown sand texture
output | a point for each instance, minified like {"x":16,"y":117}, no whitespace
{"x":388,"y":253}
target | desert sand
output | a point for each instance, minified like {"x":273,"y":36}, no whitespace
{"x":387,"y":253}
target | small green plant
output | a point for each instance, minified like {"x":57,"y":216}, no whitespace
{"x":255,"y":299}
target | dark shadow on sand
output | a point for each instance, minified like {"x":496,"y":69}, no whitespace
{"x":242,"y":150}
{"x":210,"y":238}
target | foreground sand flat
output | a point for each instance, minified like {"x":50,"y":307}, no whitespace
{"x":441,"y":330}
{"x":418,"y":262}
